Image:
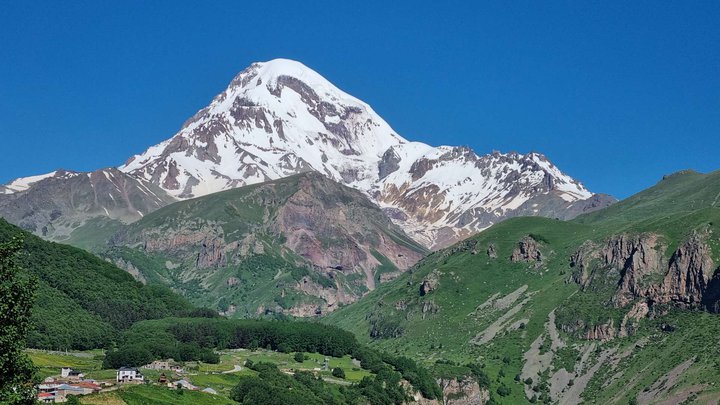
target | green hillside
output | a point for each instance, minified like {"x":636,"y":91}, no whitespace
{"x":528,"y":320}
{"x":297,"y":246}
{"x":82,"y":301}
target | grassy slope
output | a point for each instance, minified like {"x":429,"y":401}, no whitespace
{"x":673,"y":208}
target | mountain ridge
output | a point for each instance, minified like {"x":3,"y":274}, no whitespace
{"x":280,"y":118}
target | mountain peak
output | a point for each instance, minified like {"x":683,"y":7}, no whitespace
{"x":275,"y":68}
{"x":280,"y":117}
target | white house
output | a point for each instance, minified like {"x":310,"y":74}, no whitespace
{"x":129,"y":374}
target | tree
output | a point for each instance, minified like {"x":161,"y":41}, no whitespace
{"x":72,"y":400}
{"x":338,"y":372}
{"x":503,"y":390}
{"x":17,"y":293}
{"x":299,"y":357}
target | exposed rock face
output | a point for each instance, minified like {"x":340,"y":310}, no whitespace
{"x":130,"y":268}
{"x":527,"y":250}
{"x":212,"y":254}
{"x":430,"y":283}
{"x":688,"y":278}
{"x":463,"y":391}
{"x":581,"y":261}
{"x":492,"y":251}
{"x":632,"y":259}
{"x":634,"y":266}
{"x":641,"y":257}
{"x":603,"y":332}
{"x":632,"y":318}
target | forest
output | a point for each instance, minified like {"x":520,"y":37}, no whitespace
{"x":83,"y":302}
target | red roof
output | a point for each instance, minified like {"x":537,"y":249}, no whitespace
{"x":45,"y":395}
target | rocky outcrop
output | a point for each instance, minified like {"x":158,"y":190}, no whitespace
{"x":130,"y":268}
{"x":527,"y":250}
{"x":430,"y":283}
{"x":212,"y":254}
{"x":603,"y":332}
{"x":429,"y":308}
{"x":636,"y":258}
{"x":456,"y":391}
{"x":634,"y":266}
{"x":689,"y":274}
{"x":625,"y":261}
{"x":631,"y":319}
{"x":492,"y":251}
{"x":581,"y":261}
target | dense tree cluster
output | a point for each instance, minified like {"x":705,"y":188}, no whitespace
{"x":271,"y":387}
{"x":83,"y":302}
{"x":16,"y":297}
{"x":196,"y":338}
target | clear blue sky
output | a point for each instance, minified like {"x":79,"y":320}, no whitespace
{"x":615,"y":94}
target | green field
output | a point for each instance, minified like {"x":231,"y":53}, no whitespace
{"x":151,"y":395}
{"x":220,"y":377}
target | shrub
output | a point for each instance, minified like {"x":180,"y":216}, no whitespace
{"x":338,"y":372}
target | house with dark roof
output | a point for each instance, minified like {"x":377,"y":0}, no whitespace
{"x":129,"y":374}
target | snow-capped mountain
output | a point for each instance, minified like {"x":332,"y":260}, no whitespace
{"x":280,"y":118}
{"x":276,"y":119}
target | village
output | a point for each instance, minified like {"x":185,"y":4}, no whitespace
{"x":85,"y":380}
{"x":58,"y":389}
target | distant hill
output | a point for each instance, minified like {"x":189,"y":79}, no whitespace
{"x":300,"y":246}
{"x":615,"y":305}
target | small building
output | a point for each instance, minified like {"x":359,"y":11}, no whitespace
{"x":163,"y":379}
{"x":46,"y":397}
{"x":129,"y":374}
{"x":70,"y":374}
{"x":88,"y":387}
{"x":158,"y":365}
{"x":65,"y":390}
{"x":168,"y":364}
{"x":185,"y":384}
